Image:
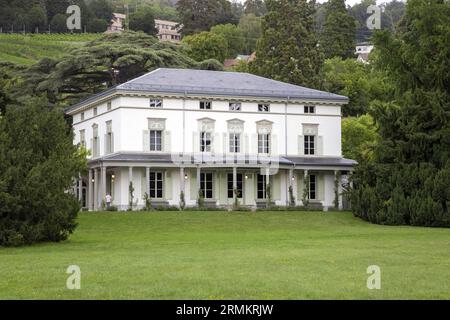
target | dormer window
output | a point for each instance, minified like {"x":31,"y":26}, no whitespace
{"x":310,"y":109}
{"x":108,"y":106}
{"x":82,"y":116}
{"x":235,"y":106}
{"x":155,"y":103}
{"x":95,"y":111}
{"x":205,"y":105}
{"x":263,"y":107}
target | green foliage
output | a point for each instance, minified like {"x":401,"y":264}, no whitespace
{"x":288,"y":48}
{"x":305,"y":195}
{"x":58,"y":23}
{"x":201,"y":199}
{"x":336,"y":190}
{"x":38,"y":165}
{"x":338,"y":35}
{"x":147,"y":202}
{"x":362,"y":84}
{"x":409,"y":180}
{"x":144,"y":21}
{"x":130,"y":196}
{"x":97,"y":26}
{"x":200,"y":15}
{"x":236,"y":203}
{"x":268,"y":196}
{"x":255,"y":7}
{"x":182,"y":200}
{"x":250,"y":26}
{"x":206,"y":45}
{"x":89,"y":68}
{"x":233,"y":36}
{"x":359,"y":138}
{"x":291,"y":197}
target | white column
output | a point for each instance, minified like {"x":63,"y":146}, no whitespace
{"x":147,"y":181}
{"x":182,"y":182}
{"x":103,"y":188}
{"x":95,"y":189}
{"x":80,"y":189}
{"x":198,"y":180}
{"x":90,"y":191}
{"x":234,"y":184}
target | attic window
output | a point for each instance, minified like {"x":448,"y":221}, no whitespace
{"x":235,"y":106}
{"x":310,"y":109}
{"x":155,"y":103}
{"x":263,"y":107}
{"x":205,"y":105}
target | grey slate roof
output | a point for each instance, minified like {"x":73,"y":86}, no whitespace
{"x":202,"y":159}
{"x":216,"y":83}
{"x":221,"y":83}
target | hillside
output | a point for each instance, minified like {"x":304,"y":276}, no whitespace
{"x":30,"y":48}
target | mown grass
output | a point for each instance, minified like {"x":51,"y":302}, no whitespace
{"x":219,"y":255}
{"x":29,"y":48}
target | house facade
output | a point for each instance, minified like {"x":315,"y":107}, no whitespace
{"x":224,"y":135}
{"x":168,"y":30}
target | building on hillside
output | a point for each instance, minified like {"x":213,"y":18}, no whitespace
{"x":168,"y":30}
{"x":229,"y":63}
{"x":362,"y":51}
{"x":225,"y":135}
{"x":117,"y":23}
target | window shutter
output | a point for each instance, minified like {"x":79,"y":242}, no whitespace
{"x":143,"y":187}
{"x":167,"y":185}
{"x":254,"y":144}
{"x":320,"y":145}
{"x":105,"y":145}
{"x":111,"y":149}
{"x":320,"y":187}
{"x":276,"y":187}
{"x":273,"y":145}
{"x":167,"y":141}
{"x":193,"y":185}
{"x":92,"y":147}
{"x":196,"y":142}
{"x":146,"y":140}
{"x":301,"y":145}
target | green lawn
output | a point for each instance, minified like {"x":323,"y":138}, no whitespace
{"x":218,"y":255}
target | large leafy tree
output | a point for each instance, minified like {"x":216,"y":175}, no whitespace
{"x":256,"y":7}
{"x":207,"y":45}
{"x":409,"y":180}
{"x":102,"y":63}
{"x":201,"y":15}
{"x":233,"y":36}
{"x":38,"y":165}
{"x":338,"y":36}
{"x":288,"y":50}
{"x":250,"y":25}
{"x":143,"y":20}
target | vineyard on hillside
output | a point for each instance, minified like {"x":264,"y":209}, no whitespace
{"x":30,"y":48}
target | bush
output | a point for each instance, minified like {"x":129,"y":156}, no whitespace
{"x":112,"y":208}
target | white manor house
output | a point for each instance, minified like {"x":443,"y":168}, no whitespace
{"x":224,"y":135}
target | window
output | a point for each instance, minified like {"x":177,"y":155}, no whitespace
{"x":155,"y":140}
{"x":156,"y":184}
{"x":230,"y":185}
{"x":205,"y":105}
{"x":95,"y":111}
{"x":309,"y":145}
{"x":82,"y":116}
{"x":206,"y":185}
{"x":263,"y":143}
{"x":261,"y":186}
{"x":235,"y":142}
{"x":109,"y":137}
{"x":205,"y":141}
{"x":109,"y":106}
{"x":263,"y":107}
{"x":155,"y":103}
{"x":83,"y":138}
{"x":235,"y":106}
{"x":312,"y":187}
{"x":310,"y":109}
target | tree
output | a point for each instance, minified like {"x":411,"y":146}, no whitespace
{"x":206,"y":45}
{"x":233,"y":36}
{"x":143,"y":20}
{"x":391,"y":14}
{"x":256,"y":7}
{"x":409,"y":180}
{"x":338,"y":36}
{"x":37,"y":169}
{"x":201,"y":15}
{"x":102,"y":9}
{"x":359,"y":138}
{"x":359,"y":12}
{"x":37,"y":19}
{"x":59,"y":23}
{"x":361,"y":83}
{"x":250,"y":25}
{"x":96,"y":25}
{"x":288,"y":48}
